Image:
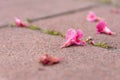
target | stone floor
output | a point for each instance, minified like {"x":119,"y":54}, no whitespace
{"x":20,"y":48}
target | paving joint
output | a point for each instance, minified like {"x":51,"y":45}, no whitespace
{"x":56,"y":15}
{"x":63,"y":13}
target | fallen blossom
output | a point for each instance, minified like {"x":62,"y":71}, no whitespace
{"x":49,"y":60}
{"x":73,"y":37}
{"x":103,"y":28}
{"x":90,"y":40}
{"x":20,"y":23}
{"x":115,"y":10}
{"x":92,"y":17}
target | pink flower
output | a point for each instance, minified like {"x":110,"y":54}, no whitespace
{"x":73,"y":37}
{"x":20,"y":23}
{"x":102,"y":28}
{"x":92,"y":17}
{"x":115,"y":10}
{"x":90,"y":40}
{"x":49,"y":60}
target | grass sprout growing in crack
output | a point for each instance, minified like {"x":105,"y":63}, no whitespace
{"x":90,"y":41}
{"x":53,"y":32}
{"x":102,"y":45}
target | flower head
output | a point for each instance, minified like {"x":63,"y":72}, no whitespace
{"x":102,"y":28}
{"x":49,"y":60}
{"x":115,"y":10}
{"x":90,"y":40}
{"x":92,"y":17}
{"x":20,"y":23}
{"x":73,"y":37}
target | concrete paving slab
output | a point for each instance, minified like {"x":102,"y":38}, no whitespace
{"x":21,"y":48}
{"x":20,"y":51}
{"x":36,"y":8}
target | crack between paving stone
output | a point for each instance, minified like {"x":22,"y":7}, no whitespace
{"x":57,"y":15}
{"x":63,"y":13}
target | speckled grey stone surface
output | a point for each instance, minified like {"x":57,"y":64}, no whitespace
{"x":20,"y":50}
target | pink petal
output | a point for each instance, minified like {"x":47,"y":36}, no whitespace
{"x":90,"y":40}
{"x":49,"y":60}
{"x":80,"y":42}
{"x":79,"y":34}
{"x":67,"y":43}
{"x":70,"y":33}
{"x":20,"y":23}
{"x":91,"y":16}
{"x":73,"y":37}
{"x":108,"y":31}
{"x":102,"y":28}
{"x":115,"y":10}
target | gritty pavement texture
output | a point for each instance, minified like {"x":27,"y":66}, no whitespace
{"x":20,"y":48}
{"x":36,"y":8}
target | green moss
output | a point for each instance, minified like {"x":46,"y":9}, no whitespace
{"x":106,"y":1}
{"x":34,"y":27}
{"x":102,"y":45}
{"x":53,"y":32}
